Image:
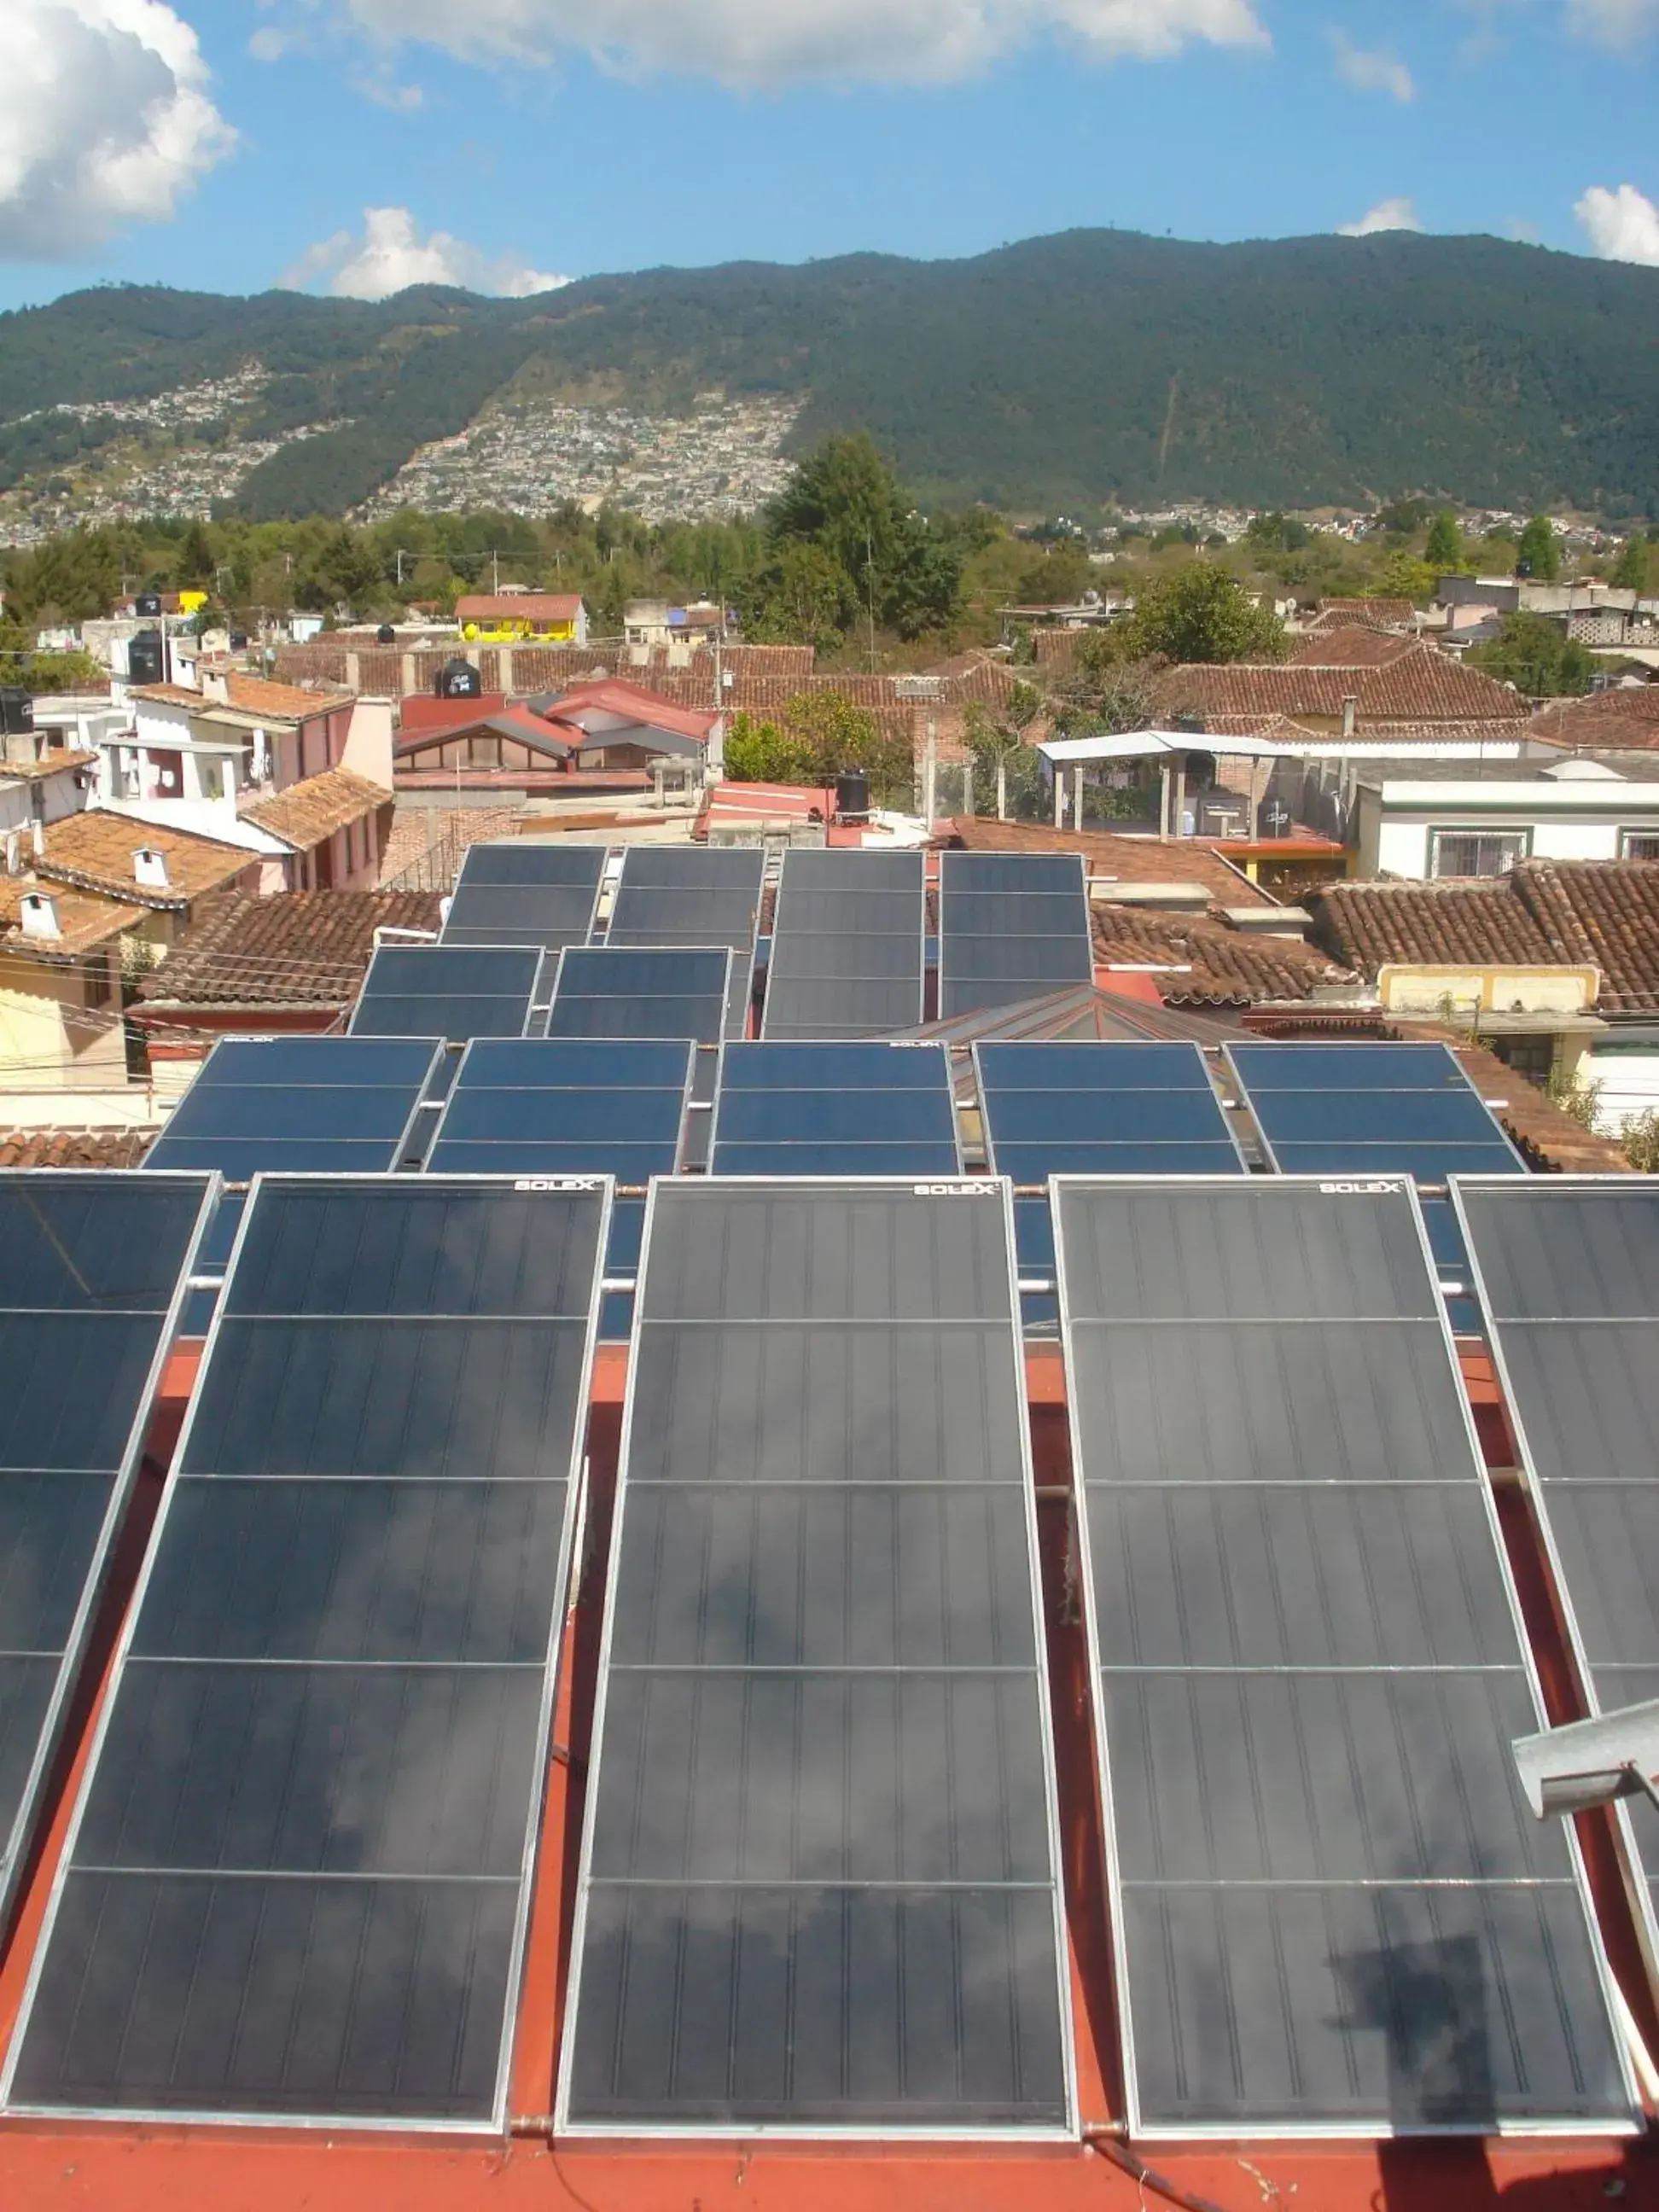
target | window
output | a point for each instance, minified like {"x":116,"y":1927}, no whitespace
{"x":1531,"y":1056}
{"x":1638,"y":844}
{"x":99,"y":989}
{"x":1477,"y":852}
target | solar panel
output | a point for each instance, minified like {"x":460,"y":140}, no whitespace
{"x":453,"y":991}
{"x":835,"y":1109}
{"x":1567,"y":1271}
{"x":297,"y":1882}
{"x":692,"y":895}
{"x":1012,"y":925}
{"x":572,"y":1106}
{"x":299,"y":1104}
{"x":1375,"y":1107}
{"x":1333,"y":1912}
{"x":525,"y":892}
{"x":1091,"y":1108}
{"x":848,"y":949}
{"x":819,"y":1876}
{"x":609,"y":991}
{"x":89,"y":1294}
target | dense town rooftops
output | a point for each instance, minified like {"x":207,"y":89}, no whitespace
{"x":291,"y":948}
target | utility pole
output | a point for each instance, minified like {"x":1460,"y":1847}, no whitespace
{"x":870,"y":593}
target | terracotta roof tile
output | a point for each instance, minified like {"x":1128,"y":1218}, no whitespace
{"x":292,"y":948}
{"x":283,"y":702}
{"x":83,"y":919}
{"x":1350,"y":647}
{"x":1419,"y":685}
{"x":1599,"y":913}
{"x":519,"y":606}
{"x":1225,"y":964}
{"x":75,"y":1148}
{"x":1625,"y":719}
{"x":95,"y":852}
{"x":1397,"y":613}
{"x":309,"y":812}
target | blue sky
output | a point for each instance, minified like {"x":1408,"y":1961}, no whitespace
{"x":230,"y":145}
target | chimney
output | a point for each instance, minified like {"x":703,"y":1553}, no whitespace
{"x":1349,"y":714}
{"x":37,"y":839}
{"x":14,"y":852}
{"x":150,"y":868}
{"x":39,"y":915}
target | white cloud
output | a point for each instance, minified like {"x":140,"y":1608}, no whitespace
{"x":1372,"y":72}
{"x":1387,"y":215}
{"x":1618,"y":23}
{"x":762,"y":43}
{"x":1622,"y":225}
{"x":389,"y":254}
{"x":104,"y":119}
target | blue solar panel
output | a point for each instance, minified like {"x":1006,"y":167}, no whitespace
{"x":636,"y":990}
{"x":453,"y":991}
{"x":1012,"y":927}
{"x":523,"y":891}
{"x":856,"y":1109}
{"x":572,"y":1106}
{"x":1367,"y":1063}
{"x":332,"y":1105}
{"x":1093,"y":1109}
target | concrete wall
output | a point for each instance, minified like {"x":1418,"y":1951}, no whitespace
{"x":1404,"y":843}
{"x":50,"y":1038}
{"x":367,"y":748}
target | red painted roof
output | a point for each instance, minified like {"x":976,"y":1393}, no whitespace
{"x":614,"y":697}
{"x":519,"y":606}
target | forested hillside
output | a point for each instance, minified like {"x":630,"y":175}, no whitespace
{"x":1060,"y":372}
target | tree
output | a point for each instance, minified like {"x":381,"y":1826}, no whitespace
{"x":1634,"y":566}
{"x":1539,"y":553}
{"x":816,"y":736}
{"x":1101,"y":692}
{"x":845,"y":504}
{"x":1404,"y":577}
{"x":1201,"y":613}
{"x":194,"y":564}
{"x":1444,"y":550}
{"x":1537,"y":656}
{"x":802,"y":596}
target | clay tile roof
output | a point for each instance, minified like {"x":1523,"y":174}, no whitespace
{"x":1575,"y":914}
{"x":95,"y":852}
{"x":518,"y":606}
{"x":309,"y":813}
{"x":283,"y":702}
{"x":83,"y":919}
{"x":292,"y":948}
{"x":1420,"y":685}
{"x":1225,"y":964}
{"x":1398,"y":613}
{"x":50,"y":763}
{"x":1354,"y":648}
{"x":169,"y":695}
{"x":1130,"y":860}
{"x":1625,"y":719}
{"x":73,"y":1148}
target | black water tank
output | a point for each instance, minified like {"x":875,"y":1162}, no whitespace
{"x":16,"y":710}
{"x":459,"y":679}
{"x":146,"y":663}
{"x":147,"y":604}
{"x":852,"y":795}
{"x":386,"y":634}
{"x":238,"y":641}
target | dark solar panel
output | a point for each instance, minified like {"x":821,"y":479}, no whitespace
{"x":1093,"y":1109}
{"x":1568,"y":1273}
{"x":453,"y":991}
{"x":690,"y":895}
{"x":1012,"y":925}
{"x":847,"y":951}
{"x":608,"y":991}
{"x":572,"y":1106}
{"x":90,"y":1288}
{"x":297,"y":1885}
{"x":525,"y":892}
{"x":1334,"y":1910}
{"x":819,"y":1879}
{"x":835,"y":1109}
{"x":338,"y":1105}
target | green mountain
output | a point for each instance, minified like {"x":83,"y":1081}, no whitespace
{"x":1058,"y":372}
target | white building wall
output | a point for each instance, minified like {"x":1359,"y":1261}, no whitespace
{"x":1402,"y":849}
{"x":1575,"y":840}
{"x":1628,"y":1082}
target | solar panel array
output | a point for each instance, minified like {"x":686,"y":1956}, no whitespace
{"x":848,"y":950}
{"x":1568,"y":1276}
{"x":1012,"y":925}
{"x":685,"y":895}
{"x":300,"y":1104}
{"x":835,"y":1109}
{"x":88,"y":1291}
{"x":297,"y":1882}
{"x":819,"y":1887}
{"x":453,"y":991}
{"x":612,"y":991}
{"x":1093,"y":1109}
{"x":523,"y":892}
{"x":1332,"y":1908}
